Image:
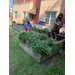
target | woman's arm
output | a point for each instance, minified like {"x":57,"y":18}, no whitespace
{"x":30,"y":26}
{"x":55,"y":21}
{"x":62,"y":23}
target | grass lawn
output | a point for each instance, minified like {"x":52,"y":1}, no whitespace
{"x":10,"y":21}
{"x":20,"y":63}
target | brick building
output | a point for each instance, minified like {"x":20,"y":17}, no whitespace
{"x":37,"y":10}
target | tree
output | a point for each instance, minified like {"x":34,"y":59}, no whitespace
{"x":9,"y":12}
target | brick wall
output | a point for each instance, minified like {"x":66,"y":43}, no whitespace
{"x":64,"y":11}
{"x":20,"y":9}
{"x":13,"y":1}
{"x":28,"y":0}
{"x":11,"y":17}
{"x":50,"y":6}
{"x":36,"y":4}
{"x":22,"y":1}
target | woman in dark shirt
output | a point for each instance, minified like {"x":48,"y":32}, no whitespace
{"x":58,"y":23}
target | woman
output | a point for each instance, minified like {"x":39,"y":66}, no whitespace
{"x":27,"y":26}
{"x":58,"y":23}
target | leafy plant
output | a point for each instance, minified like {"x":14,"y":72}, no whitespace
{"x":44,"y":46}
{"x":45,"y":30}
{"x":25,"y":20}
{"x":38,"y":43}
{"x":43,"y":37}
{"x":31,"y":38}
{"x":10,"y":13}
{"x":22,"y":35}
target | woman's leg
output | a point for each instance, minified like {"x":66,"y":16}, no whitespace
{"x":52,"y":33}
{"x":24,"y":29}
{"x":57,"y":32}
{"x":29,"y":30}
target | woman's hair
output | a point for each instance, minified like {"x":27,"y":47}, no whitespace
{"x":28,"y":22}
{"x":61,"y":14}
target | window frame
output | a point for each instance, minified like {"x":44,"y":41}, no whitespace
{"x":16,"y":1}
{"x":24,"y":15}
{"x":49,"y":17}
{"x":15,"y":14}
{"x":25,"y":1}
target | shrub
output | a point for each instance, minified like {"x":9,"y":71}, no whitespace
{"x":25,"y":20}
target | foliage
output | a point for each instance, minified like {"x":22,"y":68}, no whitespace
{"x":31,"y":38}
{"x":43,"y":37}
{"x":9,"y":12}
{"x":22,"y":35}
{"x":44,"y":46}
{"x":38,"y":43}
{"x":45,"y":30}
{"x":25,"y":20}
{"x":37,"y":30}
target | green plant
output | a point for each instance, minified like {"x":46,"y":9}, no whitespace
{"x":43,"y":37}
{"x":22,"y":35}
{"x":38,"y":43}
{"x":31,"y":38}
{"x":25,"y":20}
{"x":45,"y":30}
{"x":43,"y":46}
{"x":10,"y":13}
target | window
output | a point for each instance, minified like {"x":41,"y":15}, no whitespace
{"x":25,"y":0}
{"x":24,"y":13}
{"x":16,"y":14}
{"x":16,"y":1}
{"x":19,"y":16}
{"x":50,"y":16}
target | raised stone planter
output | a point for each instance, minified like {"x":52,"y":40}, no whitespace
{"x":17,"y":27}
{"x":39,"y":57}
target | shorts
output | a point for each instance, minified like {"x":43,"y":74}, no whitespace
{"x":56,"y":32}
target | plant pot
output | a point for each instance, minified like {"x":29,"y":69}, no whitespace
{"x":39,"y":57}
